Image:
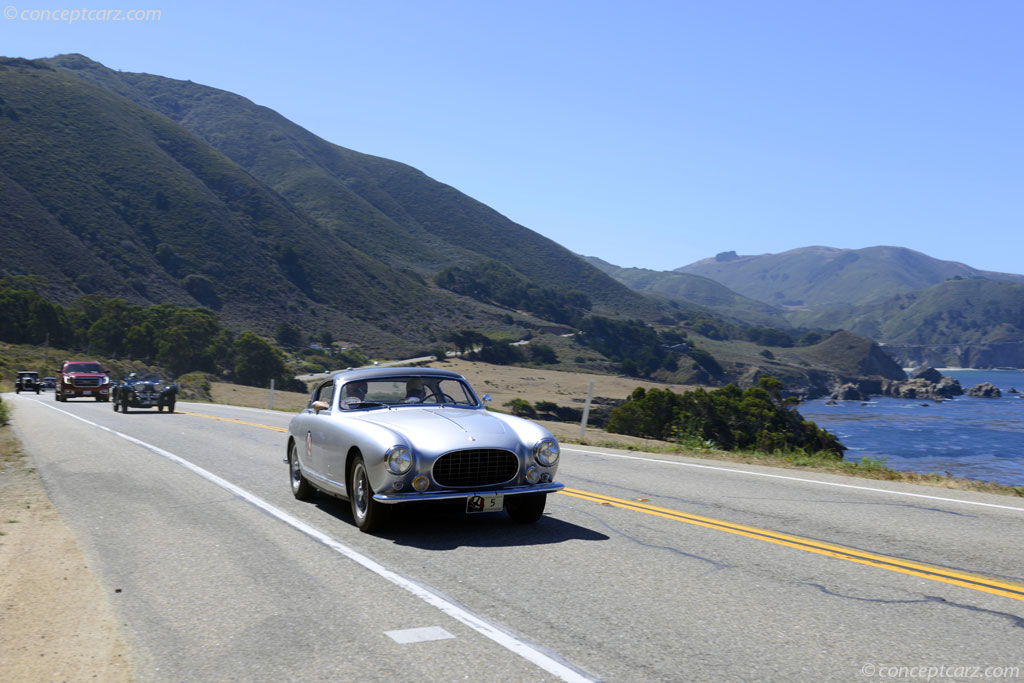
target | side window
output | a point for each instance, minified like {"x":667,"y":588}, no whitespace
{"x":324,"y":393}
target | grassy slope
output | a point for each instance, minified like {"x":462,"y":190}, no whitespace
{"x":967,"y":311}
{"x":382,"y":207}
{"x":95,"y":188}
{"x":820,"y":276}
{"x":695,"y":290}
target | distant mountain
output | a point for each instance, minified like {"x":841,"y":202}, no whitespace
{"x":694,"y":290}
{"x":957,"y":323}
{"x":816,"y":277}
{"x":156,"y":190}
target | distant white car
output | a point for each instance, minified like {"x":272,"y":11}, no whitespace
{"x":379,"y":437}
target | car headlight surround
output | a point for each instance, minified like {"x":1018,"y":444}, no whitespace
{"x":546,"y":452}
{"x":398,"y":459}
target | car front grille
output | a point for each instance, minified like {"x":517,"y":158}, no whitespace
{"x":476,"y":467}
{"x":85,"y":381}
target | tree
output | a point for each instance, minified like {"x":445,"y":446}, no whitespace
{"x":543,"y":354}
{"x":256,"y":361}
{"x":288,"y":335}
{"x":521,"y":407}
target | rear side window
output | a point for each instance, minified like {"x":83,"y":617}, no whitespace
{"x":325,"y":392}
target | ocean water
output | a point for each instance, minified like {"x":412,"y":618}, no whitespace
{"x":977,"y":438}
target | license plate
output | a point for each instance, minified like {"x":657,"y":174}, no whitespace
{"x":485,"y":503}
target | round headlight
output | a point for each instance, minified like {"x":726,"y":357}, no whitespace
{"x":399,"y":459}
{"x":546,"y":452}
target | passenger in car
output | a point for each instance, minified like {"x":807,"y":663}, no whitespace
{"x":414,"y":390}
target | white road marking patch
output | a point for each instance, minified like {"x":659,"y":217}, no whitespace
{"x":418,"y":635}
{"x":431,"y":596}
{"x":781,"y":476}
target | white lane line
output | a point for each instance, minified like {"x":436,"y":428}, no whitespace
{"x":781,"y":476}
{"x":429,"y":595}
{"x":418,"y":635}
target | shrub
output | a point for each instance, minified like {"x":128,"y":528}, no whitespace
{"x":521,"y":407}
{"x":756,"y":419}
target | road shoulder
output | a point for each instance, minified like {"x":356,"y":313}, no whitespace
{"x":58,"y":622}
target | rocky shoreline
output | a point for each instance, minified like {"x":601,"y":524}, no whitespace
{"x":929,"y":384}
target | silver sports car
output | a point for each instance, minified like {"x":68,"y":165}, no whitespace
{"x":382,"y":436}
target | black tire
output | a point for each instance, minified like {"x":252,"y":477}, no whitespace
{"x":301,"y":488}
{"x":37,"y":390}
{"x":526,"y":508}
{"x":17,"y":389}
{"x":369,"y":515}
{"x":115,"y":405}
{"x":170,"y":406}
{"x":124,"y":404}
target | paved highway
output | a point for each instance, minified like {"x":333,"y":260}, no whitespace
{"x":648,"y":568}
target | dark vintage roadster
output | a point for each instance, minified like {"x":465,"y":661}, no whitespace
{"x":27,"y":381}
{"x":144,"y":392}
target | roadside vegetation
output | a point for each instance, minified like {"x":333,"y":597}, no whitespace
{"x":176,"y":339}
{"x":758,"y":418}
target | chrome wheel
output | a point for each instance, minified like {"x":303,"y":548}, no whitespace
{"x":301,"y":489}
{"x":369,"y":515}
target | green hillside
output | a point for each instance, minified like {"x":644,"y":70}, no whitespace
{"x":385,"y":209}
{"x":964,"y":322}
{"x":816,"y":277}
{"x":695,"y":290}
{"x":104,"y":196}
{"x":156,"y":190}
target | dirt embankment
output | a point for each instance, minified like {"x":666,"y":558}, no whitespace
{"x":57,"y":621}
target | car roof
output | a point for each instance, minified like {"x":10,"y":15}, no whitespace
{"x":384,"y":373}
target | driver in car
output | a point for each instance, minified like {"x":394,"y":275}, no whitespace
{"x":353,"y":395}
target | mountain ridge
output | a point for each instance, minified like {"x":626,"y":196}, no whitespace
{"x":244,"y":212}
{"x":817,"y":276}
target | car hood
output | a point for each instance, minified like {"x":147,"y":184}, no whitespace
{"x":445,"y":429}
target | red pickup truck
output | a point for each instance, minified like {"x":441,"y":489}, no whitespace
{"x":82,"y":378}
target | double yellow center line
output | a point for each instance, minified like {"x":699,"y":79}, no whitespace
{"x":987,"y":584}
{"x":955,"y":577}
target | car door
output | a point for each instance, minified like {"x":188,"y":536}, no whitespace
{"x":318,"y":425}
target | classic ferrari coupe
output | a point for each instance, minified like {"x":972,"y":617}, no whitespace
{"x":384,"y":436}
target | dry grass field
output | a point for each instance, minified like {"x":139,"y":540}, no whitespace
{"x":503,"y":383}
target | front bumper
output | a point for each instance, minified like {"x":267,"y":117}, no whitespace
{"x":416,"y":497}
{"x":86,"y":391}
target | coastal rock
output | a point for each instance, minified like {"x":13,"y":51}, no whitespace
{"x":984,"y":390}
{"x":930,"y":374}
{"x":948,"y":387}
{"x":848,"y":392}
{"x":930,"y":384}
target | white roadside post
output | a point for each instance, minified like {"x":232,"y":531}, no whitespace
{"x":271,"y":394}
{"x":586,"y":410}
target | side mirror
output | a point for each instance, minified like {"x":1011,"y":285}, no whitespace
{"x":320,"y":405}
{"x":487,"y":398}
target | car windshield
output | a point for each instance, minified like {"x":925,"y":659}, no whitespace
{"x":406,"y":390}
{"x":83,"y":367}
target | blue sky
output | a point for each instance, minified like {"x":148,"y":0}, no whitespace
{"x":649,"y":134}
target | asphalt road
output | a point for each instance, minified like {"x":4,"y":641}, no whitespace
{"x":649,"y":568}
